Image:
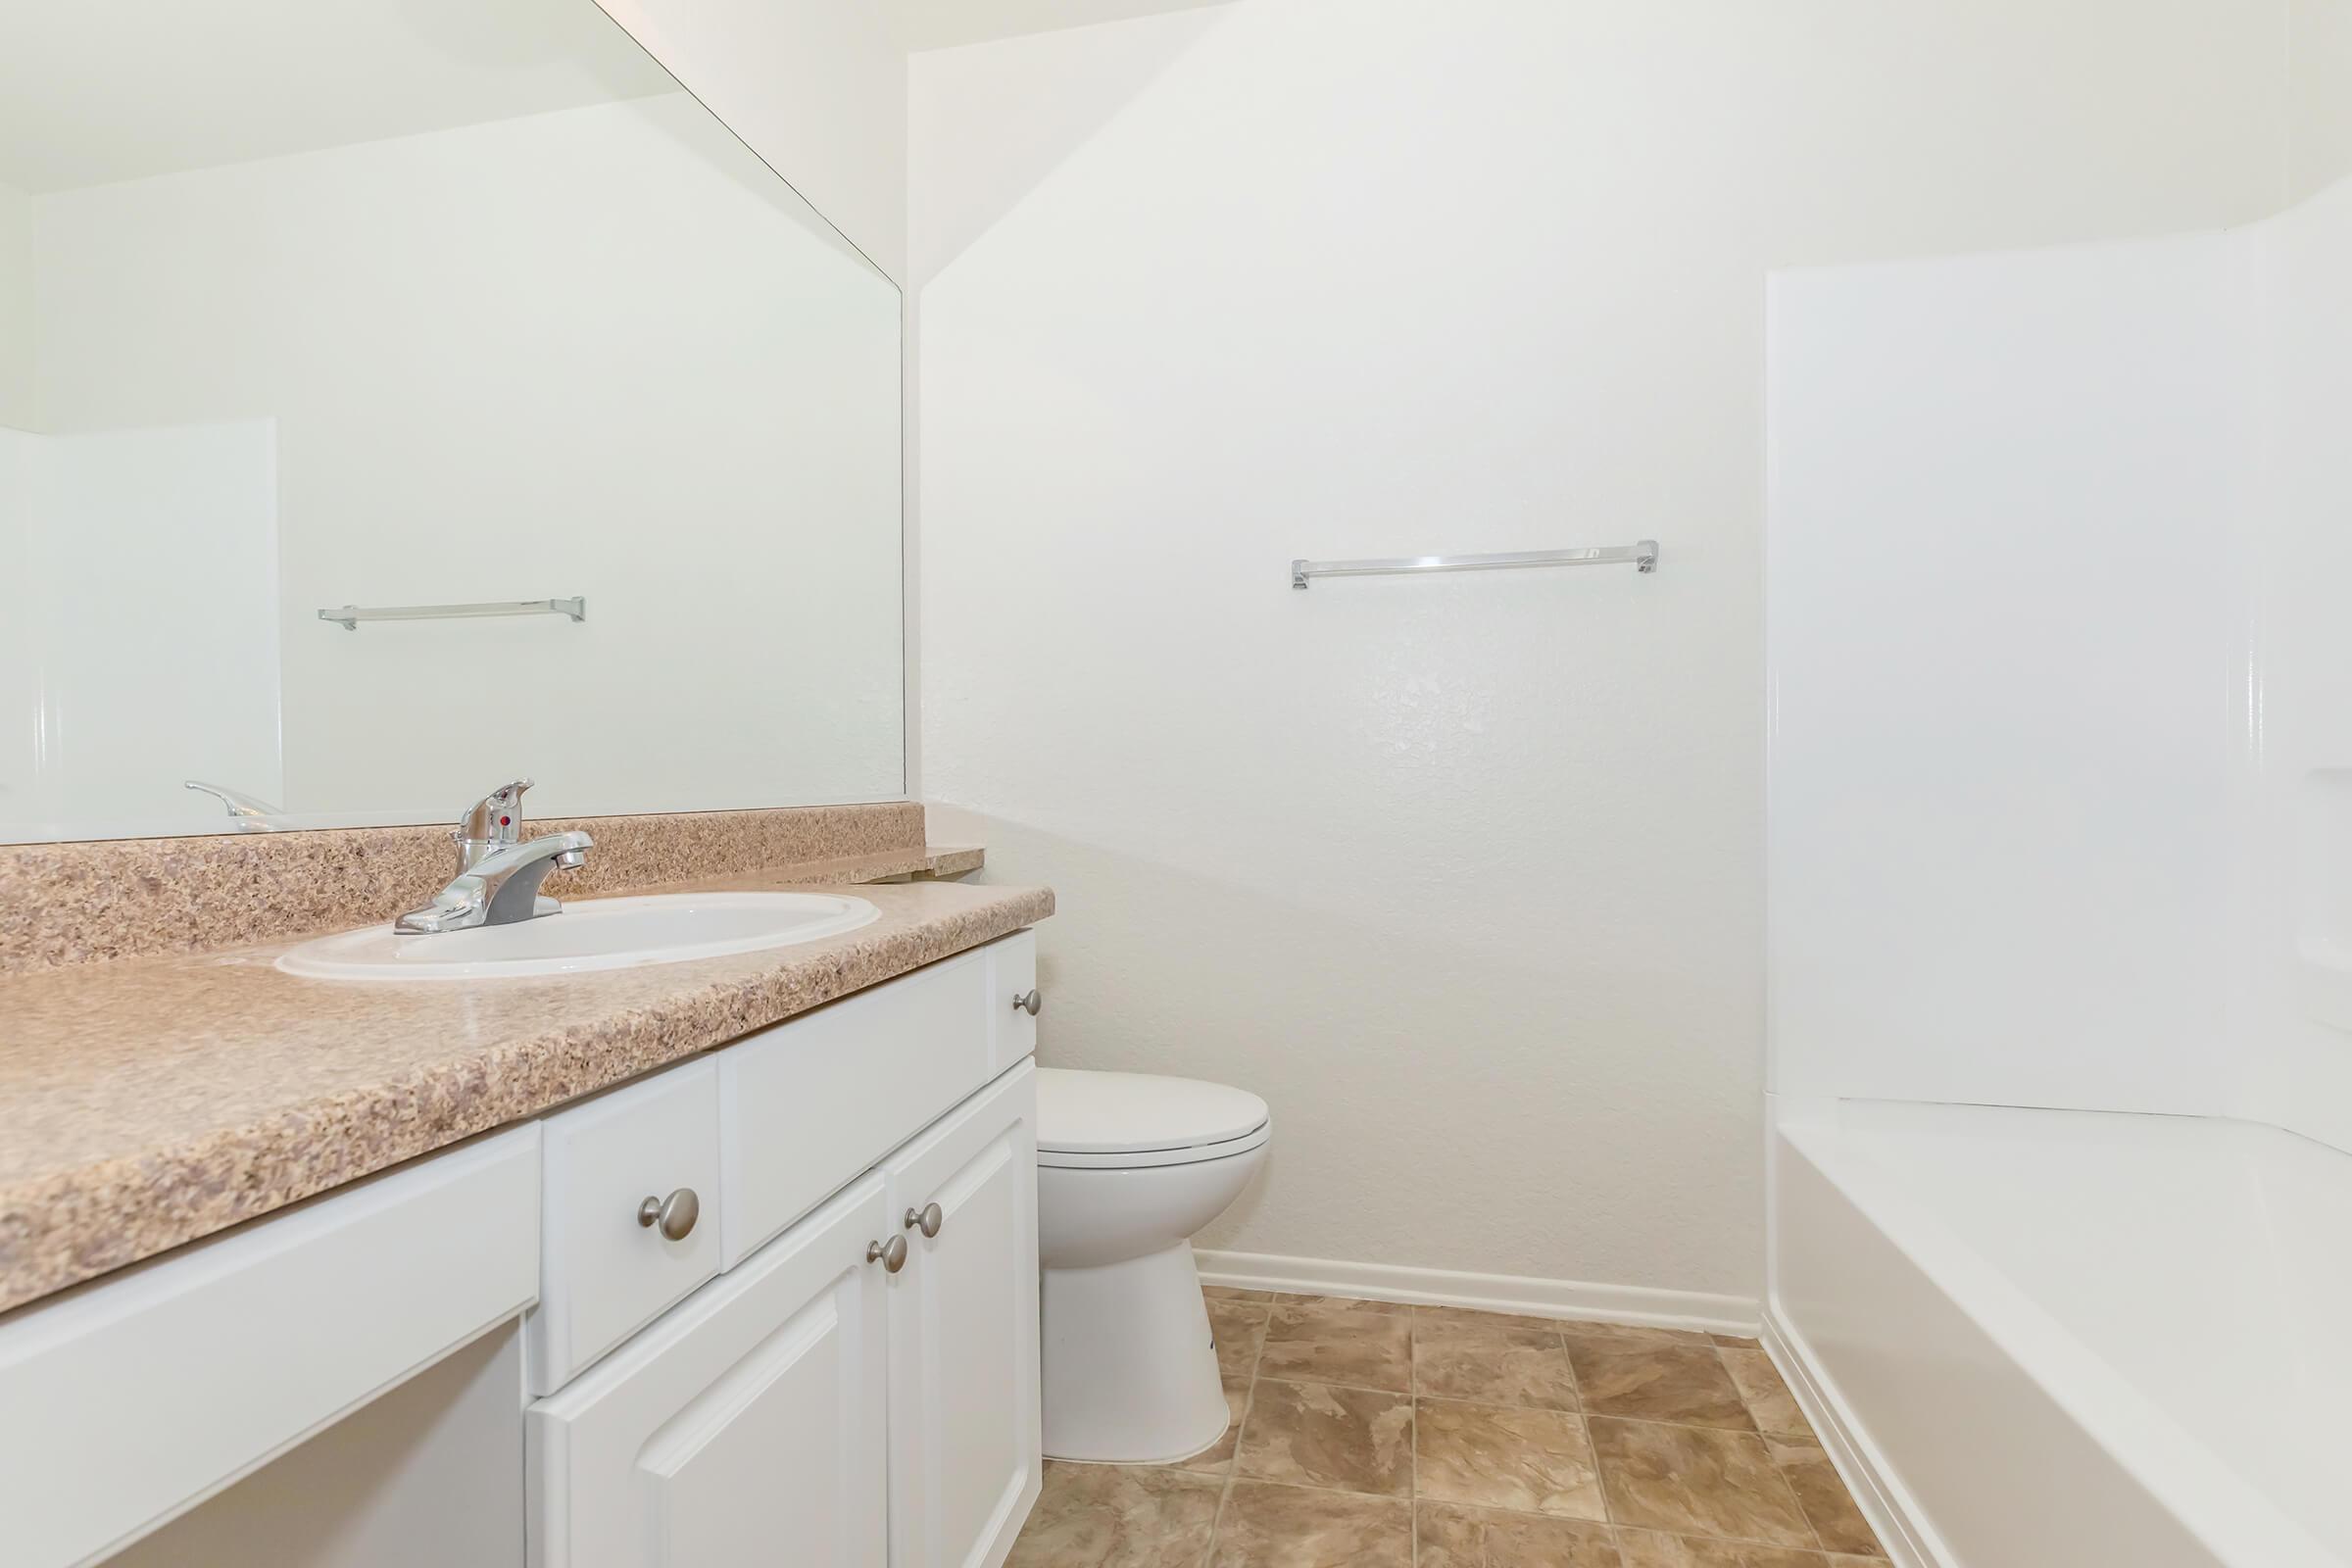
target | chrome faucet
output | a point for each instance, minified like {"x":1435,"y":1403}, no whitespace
{"x":499,"y":872}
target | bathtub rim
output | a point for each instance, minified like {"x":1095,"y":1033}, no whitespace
{"x":2184,"y":1476}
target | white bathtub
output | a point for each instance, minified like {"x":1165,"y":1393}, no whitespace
{"x":2061,"y":1339}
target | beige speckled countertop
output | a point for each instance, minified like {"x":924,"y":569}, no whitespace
{"x":149,"y":1101}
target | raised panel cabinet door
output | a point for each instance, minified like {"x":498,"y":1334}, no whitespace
{"x":964,"y":1460}
{"x":747,"y":1428}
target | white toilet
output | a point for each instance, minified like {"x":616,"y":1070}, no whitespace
{"x":1129,"y":1166}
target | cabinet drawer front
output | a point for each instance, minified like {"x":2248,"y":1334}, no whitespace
{"x":747,"y":1426}
{"x":603,"y":1273}
{"x":1012,"y":975}
{"x":813,"y":1101}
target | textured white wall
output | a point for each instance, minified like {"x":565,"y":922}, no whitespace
{"x":1462,"y":873}
{"x":2320,"y":93}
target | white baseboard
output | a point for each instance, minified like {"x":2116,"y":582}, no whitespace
{"x":1882,"y":1500}
{"x":1575,"y":1300}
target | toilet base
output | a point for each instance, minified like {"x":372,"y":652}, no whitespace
{"x":1130,"y":1367}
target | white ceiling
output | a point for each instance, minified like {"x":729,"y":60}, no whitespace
{"x":93,"y":91}
{"x":944,"y":23}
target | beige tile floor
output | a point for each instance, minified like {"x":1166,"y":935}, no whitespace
{"x":1394,"y":1436}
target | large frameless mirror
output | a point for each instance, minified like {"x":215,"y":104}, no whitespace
{"x":402,"y":396}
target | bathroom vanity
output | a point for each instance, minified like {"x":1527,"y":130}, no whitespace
{"x":454,"y":395}
{"x":776,"y":1300}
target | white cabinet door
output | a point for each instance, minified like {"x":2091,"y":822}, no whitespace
{"x":745,"y":1429}
{"x":964,"y":1464}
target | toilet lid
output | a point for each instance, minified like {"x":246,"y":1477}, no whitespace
{"x":1131,"y":1113}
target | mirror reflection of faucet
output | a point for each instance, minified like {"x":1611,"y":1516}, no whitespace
{"x":498,"y":872}
{"x":251,"y":815}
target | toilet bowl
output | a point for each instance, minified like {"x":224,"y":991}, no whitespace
{"x":1129,"y":1166}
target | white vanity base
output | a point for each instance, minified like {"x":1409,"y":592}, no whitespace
{"x":777,"y":1303}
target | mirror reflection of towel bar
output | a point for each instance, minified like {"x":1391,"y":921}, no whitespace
{"x":350,"y":615}
{"x":1644,"y":556}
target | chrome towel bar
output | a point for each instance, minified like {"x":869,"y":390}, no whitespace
{"x":1643,"y":555}
{"x":350,"y":615}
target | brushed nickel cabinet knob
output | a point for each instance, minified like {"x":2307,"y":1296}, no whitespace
{"x":676,"y":1214}
{"x":891,"y":1255}
{"x":928,"y":1219}
{"x":1029,"y":1001}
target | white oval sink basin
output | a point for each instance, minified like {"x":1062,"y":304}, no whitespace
{"x":592,"y":934}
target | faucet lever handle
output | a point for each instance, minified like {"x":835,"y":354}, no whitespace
{"x":496,"y":818}
{"x":251,"y":814}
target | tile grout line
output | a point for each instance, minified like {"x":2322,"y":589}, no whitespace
{"x":1786,"y":1486}
{"x":1615,"y":1526}
{"x":1756,"y":1430}
{"x":1412,"y":1502}
{"x":1368,"y":1388}
{"x":1584,"y":1418}
{"x":1564,"y":1332}
{"x":1233,"y":1465}
{"x":1704,"y":1535}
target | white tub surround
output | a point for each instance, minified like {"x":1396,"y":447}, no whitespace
{"x":2060,"y":711}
